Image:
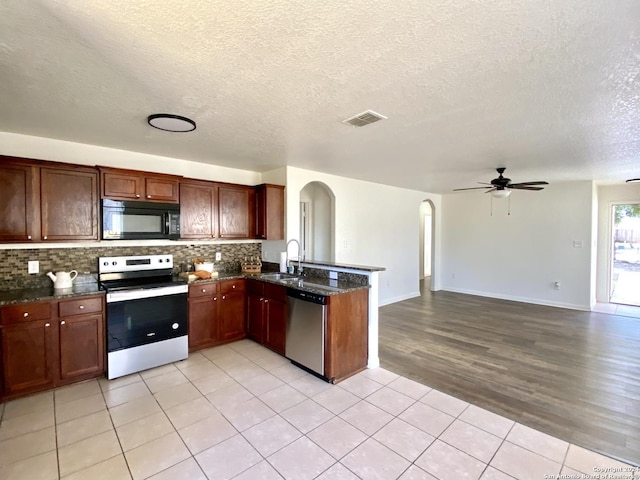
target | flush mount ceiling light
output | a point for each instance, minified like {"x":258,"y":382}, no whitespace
{"x":633,"y":180}
{"x":501,"y":193}
{"x":171,"y":123}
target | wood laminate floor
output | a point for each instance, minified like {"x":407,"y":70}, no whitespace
{"x":572,"y":374}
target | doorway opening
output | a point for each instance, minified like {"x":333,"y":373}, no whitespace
{"x":625,"y":254}
{"x":317,"y":222}
{"x":426,"y":244}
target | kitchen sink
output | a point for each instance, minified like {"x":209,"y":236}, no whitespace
{"x":281,"y":277}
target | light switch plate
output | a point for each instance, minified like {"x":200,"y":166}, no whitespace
{"x":33,"y":266}
{"x":218,"y":256}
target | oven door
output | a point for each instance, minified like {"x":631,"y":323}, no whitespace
{"x":141,"y":317}
{"x":139,"y":220}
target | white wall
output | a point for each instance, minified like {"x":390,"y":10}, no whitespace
{"x":321,"y":222}
{"x":520,"y":256}
{"x":375,"y":225}
{"x":40,"y":148}
{"x":608,"y":196}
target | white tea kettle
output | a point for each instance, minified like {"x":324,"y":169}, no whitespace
{"x":63,"y":279}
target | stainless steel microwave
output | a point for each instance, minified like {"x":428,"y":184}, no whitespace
{"x":131,"y":220}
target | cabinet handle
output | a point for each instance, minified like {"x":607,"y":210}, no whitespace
{"x":262,"y":299}
{"x":233,"y":286}
{"x":28,"y":237}
{"x":215,"y":298}
{"x":137,"y":195}
{"x":47,"y":324}
{"x":148,"y":196}
{"x":62,"y":322}
{"x":81,"y":307}
{"x":204,"y":290}
{"x":45,"y":237}
{"x":266,"y":301}
{"x":25,"y":314}
{"x":224,"y":297}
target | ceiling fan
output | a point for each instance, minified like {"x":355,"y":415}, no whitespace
{"x":501,"y":187}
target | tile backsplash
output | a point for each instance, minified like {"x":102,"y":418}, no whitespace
{"x":13,"y":262}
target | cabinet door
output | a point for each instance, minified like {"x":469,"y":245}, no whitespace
{"x":69,"y":204}
{"x":203,"y":331}
{"x":255,"y":321}
{"x":232,"y":316}
{"x":18,"y":205}
{"x":81,"y":346}
{"x":28,"y":356}
{"x":234,"y":211}
{"x":158,"y":189}
{"x":270,"y":212}
{"x":276,"y":325}
{"x":122,"y":186}
{"x":197,"y":207}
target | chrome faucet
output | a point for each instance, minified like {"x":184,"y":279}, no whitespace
{"x":299,"y":254}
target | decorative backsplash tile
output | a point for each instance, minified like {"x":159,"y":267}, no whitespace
{"x":13,"y":263}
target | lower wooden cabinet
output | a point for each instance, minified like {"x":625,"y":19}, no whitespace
{"x":267,"y":314}
{"x":46,"y":344}
{"x":216,"y":313}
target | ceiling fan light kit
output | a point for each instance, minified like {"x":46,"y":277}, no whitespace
{"x":504,"y":193}
{"x":501,"y":187}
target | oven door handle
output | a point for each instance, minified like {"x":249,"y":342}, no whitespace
{"x":138,"y":293}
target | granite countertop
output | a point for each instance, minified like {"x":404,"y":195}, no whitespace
{"x":22,"y":295}
{"x":318,"y":285}
{"x":364,"y":268}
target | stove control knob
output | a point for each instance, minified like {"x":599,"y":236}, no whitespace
{"x":114,"y":263}
{"x":160,"y":260}
{"x":167,"y":260}
{"x":106,"y":264}
{"x":175,"y":326}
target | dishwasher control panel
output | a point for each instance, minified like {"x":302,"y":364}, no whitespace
{"x":307,"y":296}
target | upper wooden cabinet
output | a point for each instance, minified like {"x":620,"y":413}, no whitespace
{"x":216,"y":210}
{"x":198,"y":209}
{"x":19,"y":205}
{"x":269,"y":203}
{"x":42,"y":201}
{"x":135,"y":185}
{"x":235,"y":211}
{"x":69,"y":204}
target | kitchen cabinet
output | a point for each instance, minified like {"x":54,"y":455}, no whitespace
{"x":235,"y":211}
{"x":19,"y":207}
{"x":269,"y":215}
{"x":69,"y":204}
{"x":198,"y":209}
{"x":215,"y":210}
{"x":232,"y":310}
{"x":41,"y":349}
{"x":121,"y":184}
{"x":267,"y":314}
{"x":216,"y":313}
{"x":346,"y":338}
{"x":81,"y":324}
{"x":41,"y":201}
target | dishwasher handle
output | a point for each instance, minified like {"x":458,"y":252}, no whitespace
{"x":307,"y":296}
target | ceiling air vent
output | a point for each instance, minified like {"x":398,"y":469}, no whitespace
{"x":364,"y":118}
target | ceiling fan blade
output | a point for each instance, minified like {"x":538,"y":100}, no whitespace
{"x":492,"y":190}
{"x":472,"y":188}
{"x":529,"y":183}
{"x":518,"y":186}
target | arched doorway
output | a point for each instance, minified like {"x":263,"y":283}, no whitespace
{"x":317,"y":207}
{"x":427,"y":235}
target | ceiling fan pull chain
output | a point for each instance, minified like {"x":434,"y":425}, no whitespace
{"x":509,"y":205}
{"x":492,"y":205}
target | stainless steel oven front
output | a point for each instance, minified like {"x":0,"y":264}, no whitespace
{"x":146,"y":314}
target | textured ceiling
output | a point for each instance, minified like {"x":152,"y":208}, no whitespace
{"x":549,"y":89}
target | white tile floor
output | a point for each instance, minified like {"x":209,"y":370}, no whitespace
{"x":240,"y":411}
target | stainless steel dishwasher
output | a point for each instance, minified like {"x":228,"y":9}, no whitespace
{"x":306,"y":329}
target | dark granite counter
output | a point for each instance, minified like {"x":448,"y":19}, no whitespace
{"x":23,"y":295}
{"x":364,"y":268}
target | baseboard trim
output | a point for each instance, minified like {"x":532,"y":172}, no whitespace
{"x":400,"y":298}
{"x":535,"y":301}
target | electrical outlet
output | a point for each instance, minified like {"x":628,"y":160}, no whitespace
{"x":218,"y":256}
{"x":33,"y":266}
{"x":333,"y":275}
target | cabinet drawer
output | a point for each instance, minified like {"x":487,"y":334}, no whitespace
{"x":203,"y":289}
{"x":230,"y":286}
{"x":80,"y":306}
{"x":25,"y":312}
